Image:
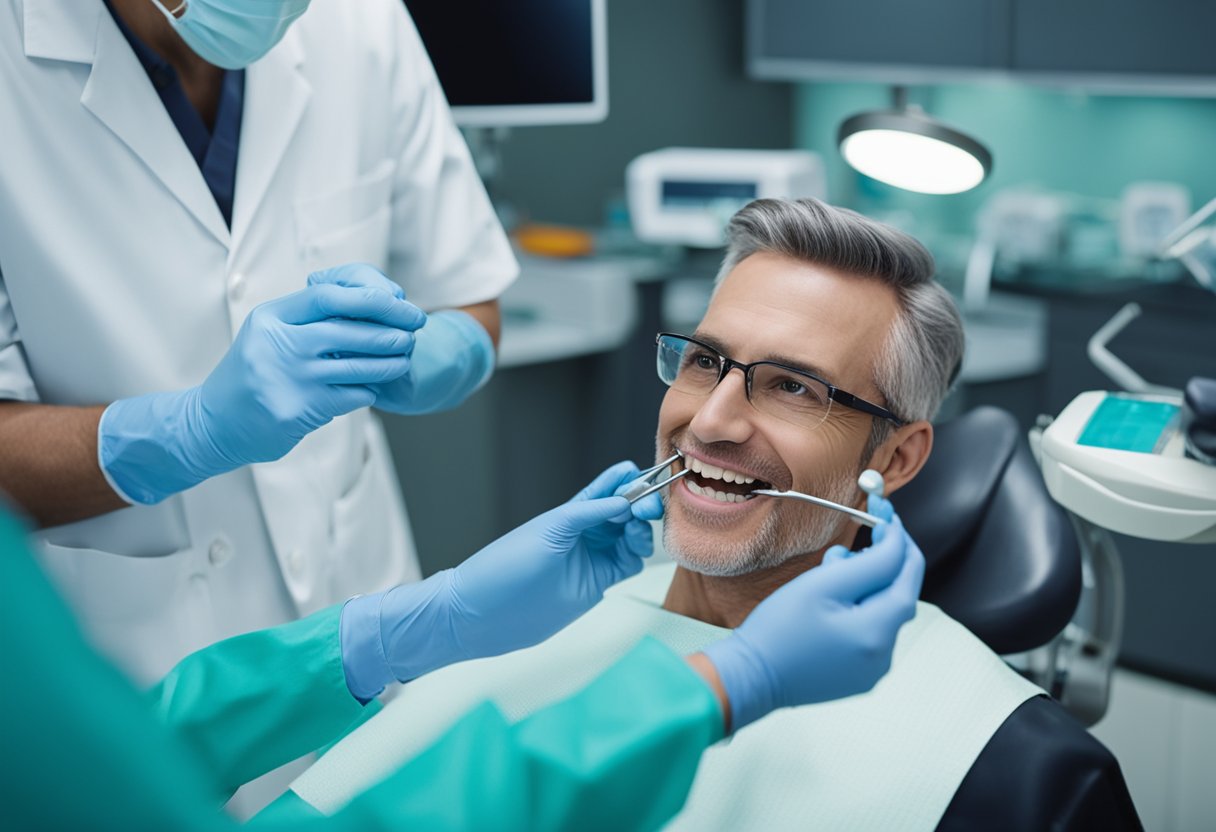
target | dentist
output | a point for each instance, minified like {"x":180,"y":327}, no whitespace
{"x":183,"y":411}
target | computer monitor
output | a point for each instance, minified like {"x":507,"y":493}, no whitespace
{"x":506,"y":63}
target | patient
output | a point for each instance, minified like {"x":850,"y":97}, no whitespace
{"x":826,"y":350}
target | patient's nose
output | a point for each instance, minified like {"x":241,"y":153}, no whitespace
{"x":725,"y":415}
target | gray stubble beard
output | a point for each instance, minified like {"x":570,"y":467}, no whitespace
{"x":811,"y":531}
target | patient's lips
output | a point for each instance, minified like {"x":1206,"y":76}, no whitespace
{"x":714,"y":485}
{"x":715,"y":482}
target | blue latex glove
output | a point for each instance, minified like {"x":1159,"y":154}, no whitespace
{"x":514,"y":593}
{"x":828,"y":633}
{"x":296,"y":363}
{"x":454,"y":355}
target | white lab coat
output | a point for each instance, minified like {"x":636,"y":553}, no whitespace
{"x":118,"y":276}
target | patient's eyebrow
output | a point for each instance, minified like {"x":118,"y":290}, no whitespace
{"x":778,"y":358}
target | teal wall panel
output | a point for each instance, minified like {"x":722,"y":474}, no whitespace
{"x":1054,"y":139}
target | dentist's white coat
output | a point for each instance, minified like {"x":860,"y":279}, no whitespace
{"x":119,"y":277}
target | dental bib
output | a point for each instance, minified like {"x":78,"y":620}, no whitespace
{"x":889,"y":759}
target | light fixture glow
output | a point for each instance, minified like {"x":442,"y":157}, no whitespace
{"x":911,"y":162}
{"x":908,"y":149}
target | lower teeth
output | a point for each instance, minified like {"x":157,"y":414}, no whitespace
{"x":720,"y":496}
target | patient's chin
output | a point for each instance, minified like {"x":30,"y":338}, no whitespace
{"x":713,"y":567}
{"x":697,"y":551}
{"x":719,"y":553}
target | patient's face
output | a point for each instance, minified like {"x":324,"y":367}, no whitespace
{"x":771,"y":307}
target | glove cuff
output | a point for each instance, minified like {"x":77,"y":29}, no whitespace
{"x":453,"y":357}
{"x":143,"y":444}
{"x":745,"y":678}
{"x":416,"y":632}
{"x":363,"y":660}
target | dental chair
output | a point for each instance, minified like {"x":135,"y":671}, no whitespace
{"x":1003,"y":559}
{"x":1006,"y":561}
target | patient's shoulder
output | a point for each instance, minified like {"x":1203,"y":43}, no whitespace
{"x":1042,"y":770}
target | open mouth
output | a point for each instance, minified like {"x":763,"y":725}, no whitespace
{"x":721,"y":484}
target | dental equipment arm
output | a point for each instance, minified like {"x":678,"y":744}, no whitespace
{"x":828,"y":633}
{"x":514,"y":593}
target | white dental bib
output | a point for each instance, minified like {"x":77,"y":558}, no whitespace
{"x":890,"y":759}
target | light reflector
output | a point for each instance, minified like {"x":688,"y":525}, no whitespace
{"x":909,"y":150}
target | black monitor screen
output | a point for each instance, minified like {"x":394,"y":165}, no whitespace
{"x":509,"y":52}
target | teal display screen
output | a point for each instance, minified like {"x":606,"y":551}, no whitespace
{"x":1128,"y":424}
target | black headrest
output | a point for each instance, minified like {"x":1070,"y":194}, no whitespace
{"x":1199,"y":419}
{"x":1002,"y":557}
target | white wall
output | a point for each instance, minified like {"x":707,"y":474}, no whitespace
{"x":1164,"y":736}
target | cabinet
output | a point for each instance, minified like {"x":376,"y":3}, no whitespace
{"x":959,"y":34}
{"x":1158,"y":46}
{"x":1156,"y":39}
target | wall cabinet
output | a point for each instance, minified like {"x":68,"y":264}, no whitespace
{"x":1161,"y":46}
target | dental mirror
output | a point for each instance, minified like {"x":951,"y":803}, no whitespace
{"x":870,"y":482}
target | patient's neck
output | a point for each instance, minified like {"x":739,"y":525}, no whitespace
{"x":725,"y":602}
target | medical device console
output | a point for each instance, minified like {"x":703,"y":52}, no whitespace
{"x":1119,"y":461}
{"x":684,"y":195}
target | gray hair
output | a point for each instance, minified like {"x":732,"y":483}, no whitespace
{"x":924,"y":349}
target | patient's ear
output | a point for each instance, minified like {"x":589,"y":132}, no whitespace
{"x":901,"y":457}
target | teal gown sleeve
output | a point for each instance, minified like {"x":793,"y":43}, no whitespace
{"x":249,"y":704}
{"x":82,"y":750}
{"x":621,"y":754}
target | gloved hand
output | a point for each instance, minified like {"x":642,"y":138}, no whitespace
{"x":296,"y":363}
{"x":514,"y":593}
{"x":828,"y":633}
{"x":454,"y":355}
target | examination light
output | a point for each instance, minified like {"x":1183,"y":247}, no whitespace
{"x":906,"y":148}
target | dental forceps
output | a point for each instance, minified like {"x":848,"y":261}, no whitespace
{"x":645,"y":484}
{"x":870,"y":482}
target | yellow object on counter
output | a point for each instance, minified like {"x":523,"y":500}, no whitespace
{"x":555,"y":241}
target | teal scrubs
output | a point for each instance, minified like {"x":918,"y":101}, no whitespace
{"x":84,"y":750}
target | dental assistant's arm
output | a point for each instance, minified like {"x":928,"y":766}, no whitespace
{"x":79,"y":730}
{"x":249,"y":704}
{"x":254,"y":702}
{"x":86,"y":754}
{"x":620,"y":754}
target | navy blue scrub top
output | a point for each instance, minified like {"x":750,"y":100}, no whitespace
{"x":214,"y":150}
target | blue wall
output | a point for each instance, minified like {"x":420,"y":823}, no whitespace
{"x":1059,"y":140}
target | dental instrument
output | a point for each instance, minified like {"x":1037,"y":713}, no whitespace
{"x":645,"y":484}
{"x":870,"y":482}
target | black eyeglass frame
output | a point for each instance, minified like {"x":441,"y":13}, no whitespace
{"x":726,"y":364}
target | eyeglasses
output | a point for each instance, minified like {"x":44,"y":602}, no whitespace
{"x":786,"y":393}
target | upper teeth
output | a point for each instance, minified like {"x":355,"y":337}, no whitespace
{"x":713,"y":472}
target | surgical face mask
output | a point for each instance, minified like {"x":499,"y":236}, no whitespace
{"x":233,"y":33}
